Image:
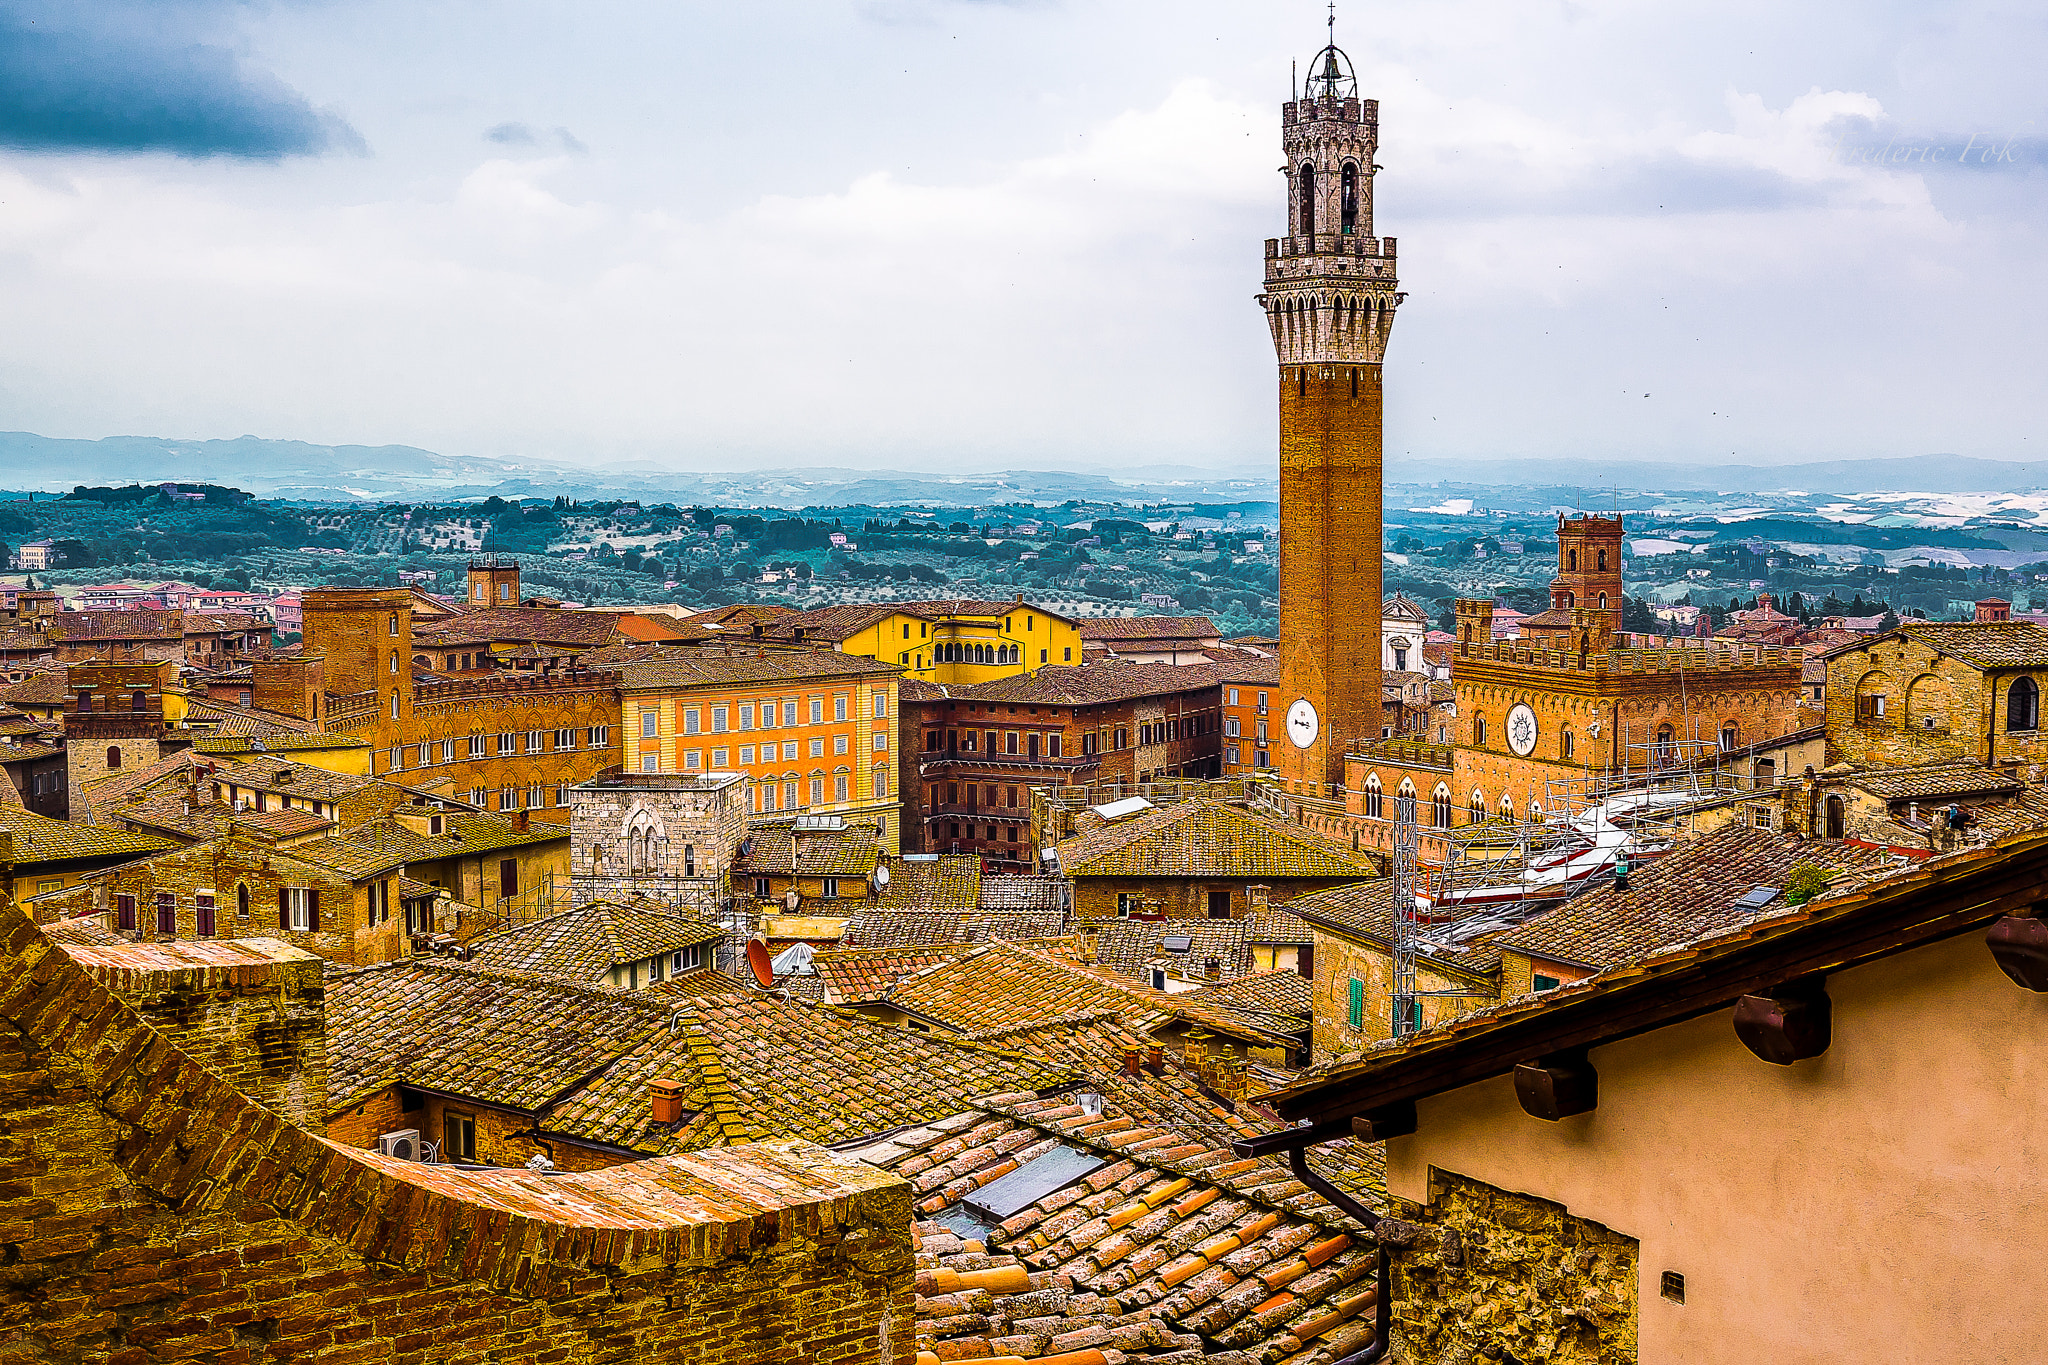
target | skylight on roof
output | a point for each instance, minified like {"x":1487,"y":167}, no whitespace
{"x":1176,"y":943}
{"x":1757,"y":897}
{"x":1117,"y":810}
{"x":1032,"y":1181}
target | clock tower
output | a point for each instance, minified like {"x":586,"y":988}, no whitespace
{"x":1330,"y":298}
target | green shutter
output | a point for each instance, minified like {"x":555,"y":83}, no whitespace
{"x":1356,"y":1016}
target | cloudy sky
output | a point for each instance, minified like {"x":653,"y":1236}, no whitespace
{"x":934,"y":233}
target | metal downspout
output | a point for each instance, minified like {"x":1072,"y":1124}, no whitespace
{"x":1383,"y":1307}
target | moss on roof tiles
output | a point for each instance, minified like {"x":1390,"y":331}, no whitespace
{"x":585,"y":943}
{"x":1207,"y":838}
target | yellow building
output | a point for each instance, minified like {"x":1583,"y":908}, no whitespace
{"x":952,"y":643}
{"x":813,"y":730}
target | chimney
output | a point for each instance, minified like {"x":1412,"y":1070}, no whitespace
{"x":665,"y":1101}
{"x":1131,"y":1059}
{"x":1155,"y":1060}
{"x":521,"y":821}
{"x":1257,"y":898}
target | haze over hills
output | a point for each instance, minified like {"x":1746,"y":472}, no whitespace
{"x":351,"y":473}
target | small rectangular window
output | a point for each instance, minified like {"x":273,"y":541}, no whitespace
{"x":789,"y":713}
{"x":719,"y":715}
{"x":839,"y":707}
{"x":1545,"y":983}
{"x":831,"y":888}
{"x":746,"y":717}
{"x":881,"y":742}
{"x":881,"y":704}
{"x":817,"y":710}
{"x":600,"y":736}
{"x":839,"y":744}
{"x":1671,"y":1285}
{"x":691,"y":725}
{"x":650,"y":724}
{"x":1354,"y":1012}
{"x":505,"y":742}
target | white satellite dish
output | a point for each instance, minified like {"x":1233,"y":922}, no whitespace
{"x":881,"y":876}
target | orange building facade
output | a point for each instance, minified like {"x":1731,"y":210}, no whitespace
{"x":814,"y":730}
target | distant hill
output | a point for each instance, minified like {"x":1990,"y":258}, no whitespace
{"x":302,"y":470}
{"x":1909,"y":473}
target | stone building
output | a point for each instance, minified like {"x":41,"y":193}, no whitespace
{"x":113,"y":720}
{"x":947,"y":643}
{"x":1537,"y":719}
{"x":1929,"y":693}
{"x":1702,"y":1151}
{"x":135,"y":1174}
{"x":1330,"y":297}
{"x":668,"y":837}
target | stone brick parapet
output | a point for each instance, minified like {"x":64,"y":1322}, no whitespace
{"x":161,"y":1215}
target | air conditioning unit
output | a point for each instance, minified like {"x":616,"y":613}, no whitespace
{"x":403,"y":1144}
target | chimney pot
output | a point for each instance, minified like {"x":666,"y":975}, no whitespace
{"x":665,"y":1101}
{"x":1131,"y":1057}
{"x":1155,"y":1060}
{"x":521,"y":821}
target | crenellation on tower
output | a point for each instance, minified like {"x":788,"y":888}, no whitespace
{"x":1330,"y":295}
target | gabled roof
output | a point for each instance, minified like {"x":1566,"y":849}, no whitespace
{"x":1121,"y":628}
{"x":1933,"y":780}
{"x":1006,"y":984}
{"x":778,"y":850}
{"x":517,"y":625}
{"x":1129,"y":945}
{"x":951,"y":882}
{"x":1693,"y":892}
{"x":144,"y":623}
{"x":39,"y":840}
{"x":1282,"y":994}
{"x":585,"y":943}
{"x":1093,"y":684}
{"x":852,"y":976}
{"x":1208,"y":838}
{"x":1990,"y":644}
{"x":919,"y":928}
{"x":579,"y":1059}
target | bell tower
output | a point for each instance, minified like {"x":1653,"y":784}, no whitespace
{"x":1329,"y":298}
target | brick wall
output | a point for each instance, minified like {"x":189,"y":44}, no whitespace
{"x":152,"y":1213}
{"x":250,"y":1010}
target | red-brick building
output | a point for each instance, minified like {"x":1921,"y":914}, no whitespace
{"x":979,"y":750}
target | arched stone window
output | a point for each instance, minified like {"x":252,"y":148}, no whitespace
{"x":2023,"y":705}
{"x":1479,"y":729}
{"x":1666,"y":751}
{"x":1440,"y":807}
{"x":1566,"y":744}
{"x":1348,"y":201}
{"x":1374,"y":797}
{"x":1404,"y":801}
{"x":1308,"y":199}
{"x":113,"y":756}
{"x":1477,"y":806}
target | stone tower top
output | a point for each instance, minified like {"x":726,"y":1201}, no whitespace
{"x":1588,"y":563}
{"x":1330,"y":294}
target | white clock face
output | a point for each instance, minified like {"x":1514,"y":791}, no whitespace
{"x":1302,"y":723}
{"x":1521,"y":729}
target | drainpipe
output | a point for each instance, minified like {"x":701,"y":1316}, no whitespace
{"x":1383,"y":1306}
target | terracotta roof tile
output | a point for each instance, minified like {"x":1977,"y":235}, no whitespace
{"x":1207,"y":838}
{"x":1127,"y":946}
{"x":585,"y":943}
{"x":1148,"y":628}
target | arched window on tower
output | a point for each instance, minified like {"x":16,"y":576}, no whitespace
{"x":1308,"y":200}
{"x":1350,"y":199}
{"x":1440,"y":807}
{"x":1603,"y":559}
{"x":1571,"y":561}
{"x":113,"y":756}
{"x":1566,"y":745}
{"x":1374,"y":803}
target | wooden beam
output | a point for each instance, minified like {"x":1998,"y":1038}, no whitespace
{"x":1558,"y":1086}
{"x":1785,"y":1026}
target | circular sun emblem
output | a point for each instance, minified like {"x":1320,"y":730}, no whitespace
{"x":1522,"y":729}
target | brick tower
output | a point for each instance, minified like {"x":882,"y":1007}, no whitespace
{"x":1588,"y":578}
{"x":1330,"y":300}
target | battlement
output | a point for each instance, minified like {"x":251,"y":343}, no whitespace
{"x":1409,"y":753}
{"x":351,"y":707}
{"x":1354,"y":111}
{"x":1330,"y":244}
{"x":467,"y":689}
{"x":1667,"y":658}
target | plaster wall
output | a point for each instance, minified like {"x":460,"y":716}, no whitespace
{"x":1879,"y":1202}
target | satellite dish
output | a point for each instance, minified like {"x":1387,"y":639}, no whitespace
{"x":790,"y":900}
{"x":881,"y":876}
{"x":757,"y":958}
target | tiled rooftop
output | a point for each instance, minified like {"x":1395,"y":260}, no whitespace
{"x":1007,"y":984}
{"x":738,"y":666}
{"x":41,"y":840}
{"x":1127,"y":946}
{"x":851,"y":976}
{"x":579,"y":1059}
{"x":585,"y":943}
{"x":1165,"y":1248}
{"x":1123,"y":628}
{"x":909,"y":928}
{"x":1208,"y":838}
{"x":1934,"y":780}
{"x":1688,"y":894}
{"x":1111,"y":680}
{"x":949,"y":882}
{"x":778,"y":850}
{"x":2002,"y":644}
